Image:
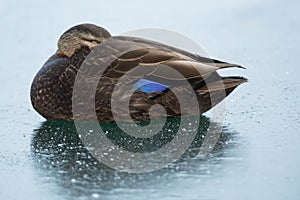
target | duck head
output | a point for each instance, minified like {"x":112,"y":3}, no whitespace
{"x":88,"y":35}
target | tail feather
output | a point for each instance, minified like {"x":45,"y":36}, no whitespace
{"x":227,"y":84}
{"x":213,"y":93}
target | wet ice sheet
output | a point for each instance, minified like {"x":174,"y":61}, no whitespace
{"x":260,"y":159}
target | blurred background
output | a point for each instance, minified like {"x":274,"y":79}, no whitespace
{"x":258,"y":156}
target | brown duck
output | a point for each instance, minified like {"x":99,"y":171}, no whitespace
{"x":52,"y":89}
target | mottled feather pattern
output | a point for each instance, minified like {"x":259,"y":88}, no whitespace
{"x":52,"y":88}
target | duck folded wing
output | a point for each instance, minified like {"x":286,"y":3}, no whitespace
{"x":156,"y":71}
{"x":139,"y":58}
{"x":136,"y":58}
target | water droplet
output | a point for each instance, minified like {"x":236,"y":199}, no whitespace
{"x":95,"y":195}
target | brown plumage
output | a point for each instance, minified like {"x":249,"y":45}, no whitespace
{"x":52,"y":87}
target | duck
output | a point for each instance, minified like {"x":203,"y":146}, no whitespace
{"x":52,"y":89}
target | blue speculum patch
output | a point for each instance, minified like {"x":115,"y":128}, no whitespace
{"x":148,"y":86}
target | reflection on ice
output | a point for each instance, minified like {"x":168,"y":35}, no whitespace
{"x":60,"y":154}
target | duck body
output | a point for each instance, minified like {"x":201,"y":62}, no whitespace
{"x":52,"y":89}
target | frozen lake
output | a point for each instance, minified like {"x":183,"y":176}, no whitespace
{"x":258,"y":155}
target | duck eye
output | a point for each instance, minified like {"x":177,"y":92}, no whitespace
{"x":91,"y":40}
